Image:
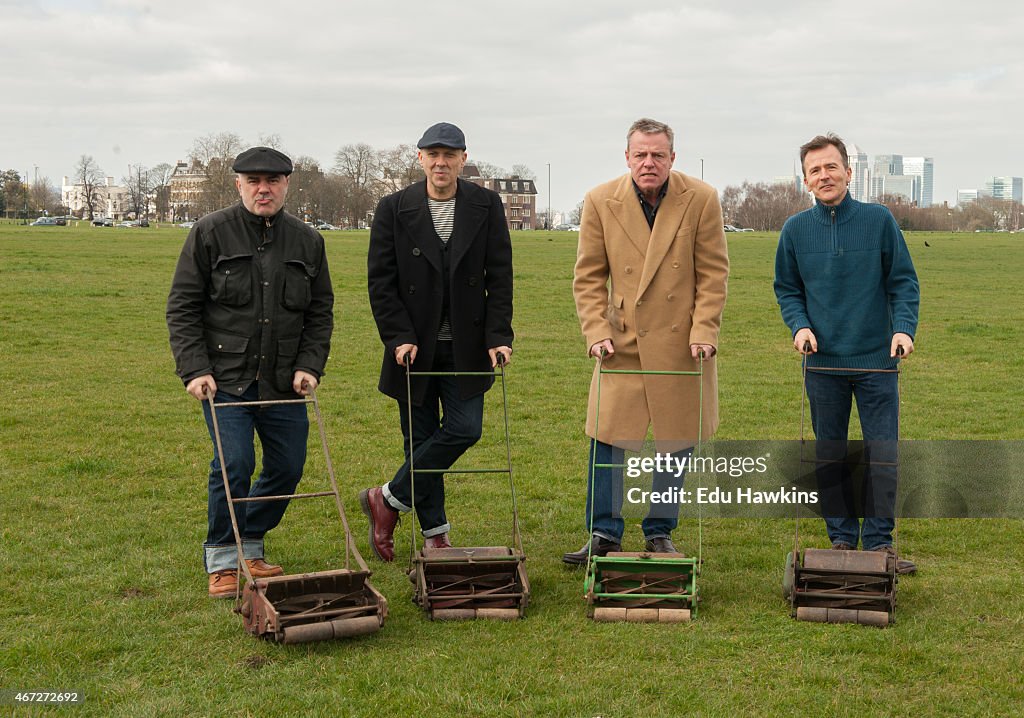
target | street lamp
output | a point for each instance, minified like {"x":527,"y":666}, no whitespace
{"x":549,"y":197}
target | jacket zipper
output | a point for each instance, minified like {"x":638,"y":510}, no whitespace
{"x":835,"y":241}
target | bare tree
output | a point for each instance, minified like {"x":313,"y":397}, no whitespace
{"x":137,"y":184}
{"x":160,"y":189}
{"x":761,"y":206}
{"x":576,"y":216}
{"x":88,"y":177}
{"x":490,"y":171}
{"x":523,"y":172}
{"x":216,"y":153}
{"x":356,"y":166}
{"x":45,"y":197}
{"x":397,"y":168}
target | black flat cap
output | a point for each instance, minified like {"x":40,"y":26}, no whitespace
{"x":262,"y":161}
{"x":443,"y":134}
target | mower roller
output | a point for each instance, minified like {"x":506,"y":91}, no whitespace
{"x":642,"y":587}
{"x":307,"y":607}
{"x":839,"y":586}
{"x":461,"y":583}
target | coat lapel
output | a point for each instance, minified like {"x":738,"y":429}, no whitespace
{"x":666,"y":224}
{"x":414,"y":214}
{"x":625,"y":207}
{"x":470,"y":214}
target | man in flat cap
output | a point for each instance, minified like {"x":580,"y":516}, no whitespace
{"x":440,"y":283}
{"x":250,"y":315}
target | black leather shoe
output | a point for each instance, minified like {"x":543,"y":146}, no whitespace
{"x":596,"y":546}
{"x":903,"y":566}
{"x":660,"y":544}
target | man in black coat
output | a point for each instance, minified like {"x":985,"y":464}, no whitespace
{"x":440,"y":284}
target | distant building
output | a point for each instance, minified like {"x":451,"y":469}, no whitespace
{"x":1006,"y":188}
{"x":186,"y":187}
{"x":519,"y":196}
{"x":966,"y":196}
{"x":924,"y":169}
{"x":110,"y":200}
{"x":906,"y":186}
{"x":860,"y":170}
{"x":884,"y":166}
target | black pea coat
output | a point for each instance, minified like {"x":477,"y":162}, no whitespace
{"x":405,"y":282}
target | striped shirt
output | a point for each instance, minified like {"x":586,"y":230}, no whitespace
{"x":443,"y":214}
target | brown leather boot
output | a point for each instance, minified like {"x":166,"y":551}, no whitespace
{"x":438,"y":541}
{"x":224,"y":584}
{"x":382,"y":522}
{"x":259,"y":568}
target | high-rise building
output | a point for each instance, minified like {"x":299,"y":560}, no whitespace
{"x":906,"y":186}
{"x":882,"y":166}
{"x":1009,"y":188}
{"x":860,"y":181}
{"x":924,"y":169}
{"x":966,"y":196}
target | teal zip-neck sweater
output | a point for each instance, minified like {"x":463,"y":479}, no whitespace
{"x":845,"y":272}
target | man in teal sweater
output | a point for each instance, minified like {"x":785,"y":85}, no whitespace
{"x":849,"y":294}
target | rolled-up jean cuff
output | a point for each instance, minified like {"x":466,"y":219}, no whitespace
{"x":392,"y":501}
{"x":608,"y":537}
{"x":437,"y":530}
{"x":651,"y":537}
{"x":221,"y":558}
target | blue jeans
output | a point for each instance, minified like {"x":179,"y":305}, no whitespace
{"x":283,"y":430}
{"x":604,"y":489}
{"x":843,"y":502}
{"x":444,"y":426}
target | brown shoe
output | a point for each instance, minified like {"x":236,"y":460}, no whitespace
{"x":438,"y":541}
{"x":382,"y":522}
{"x":224,"y":584}
{"x":259,"y":568}
{"x":903,"y":566}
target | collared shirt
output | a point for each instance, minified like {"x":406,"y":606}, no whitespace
{"x":650,"y":211}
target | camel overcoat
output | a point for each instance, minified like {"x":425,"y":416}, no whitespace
{"x":653,"y":293}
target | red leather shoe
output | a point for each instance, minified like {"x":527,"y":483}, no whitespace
{"x":438,"y":541}
{"x":382,"y":522}
{"x":224,"y":584}
{"x":259,"y":568}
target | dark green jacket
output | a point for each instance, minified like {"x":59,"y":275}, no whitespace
{"x":251,"y":298}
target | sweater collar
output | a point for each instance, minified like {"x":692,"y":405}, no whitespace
{"x":842,"y":210}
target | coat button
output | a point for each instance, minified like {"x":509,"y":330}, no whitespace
{"x":472,"y":281}
{"x":629,"y":270}
{"x":227,"y":271}
{"x":416,"y":251}
{"x":643,"y":332}
{"x":675,"y":265}
{"x":639,"y":302}
{"x":675,"y":327}
{"x":670,"y":297}
{"x":220,"y":346}
{"x":412,"y":289}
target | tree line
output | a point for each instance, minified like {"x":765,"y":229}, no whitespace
{"x":765,"y":207}
{"x":345,"y":193}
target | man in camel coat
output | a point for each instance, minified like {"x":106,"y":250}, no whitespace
{"x":650,"y":286}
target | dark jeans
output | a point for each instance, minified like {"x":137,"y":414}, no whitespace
{"x":874,"y":499}
{"x":283,"y":430}
{"x":443,"y":428}
{"x":661,"y":519}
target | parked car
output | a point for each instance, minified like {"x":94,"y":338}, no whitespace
{"x":102,"y":222}
{"x":744,"y":229}
{"x":45,"y":222}
{"x":729,"y":228}
{"x":186,"y":225}
{"x":321,"y":226}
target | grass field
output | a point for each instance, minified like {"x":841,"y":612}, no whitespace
{"x":103,"y":460}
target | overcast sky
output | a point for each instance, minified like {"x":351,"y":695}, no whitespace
{"x":530,"y":82}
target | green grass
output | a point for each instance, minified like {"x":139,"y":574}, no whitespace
{"x":103,"y":460}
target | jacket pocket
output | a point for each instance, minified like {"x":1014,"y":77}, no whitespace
{"x":298,"y":278}
{"x":227,"y":353}
{"x":231,"y":280}
{"x":614,"y":313}
{"x":284,"y":367}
